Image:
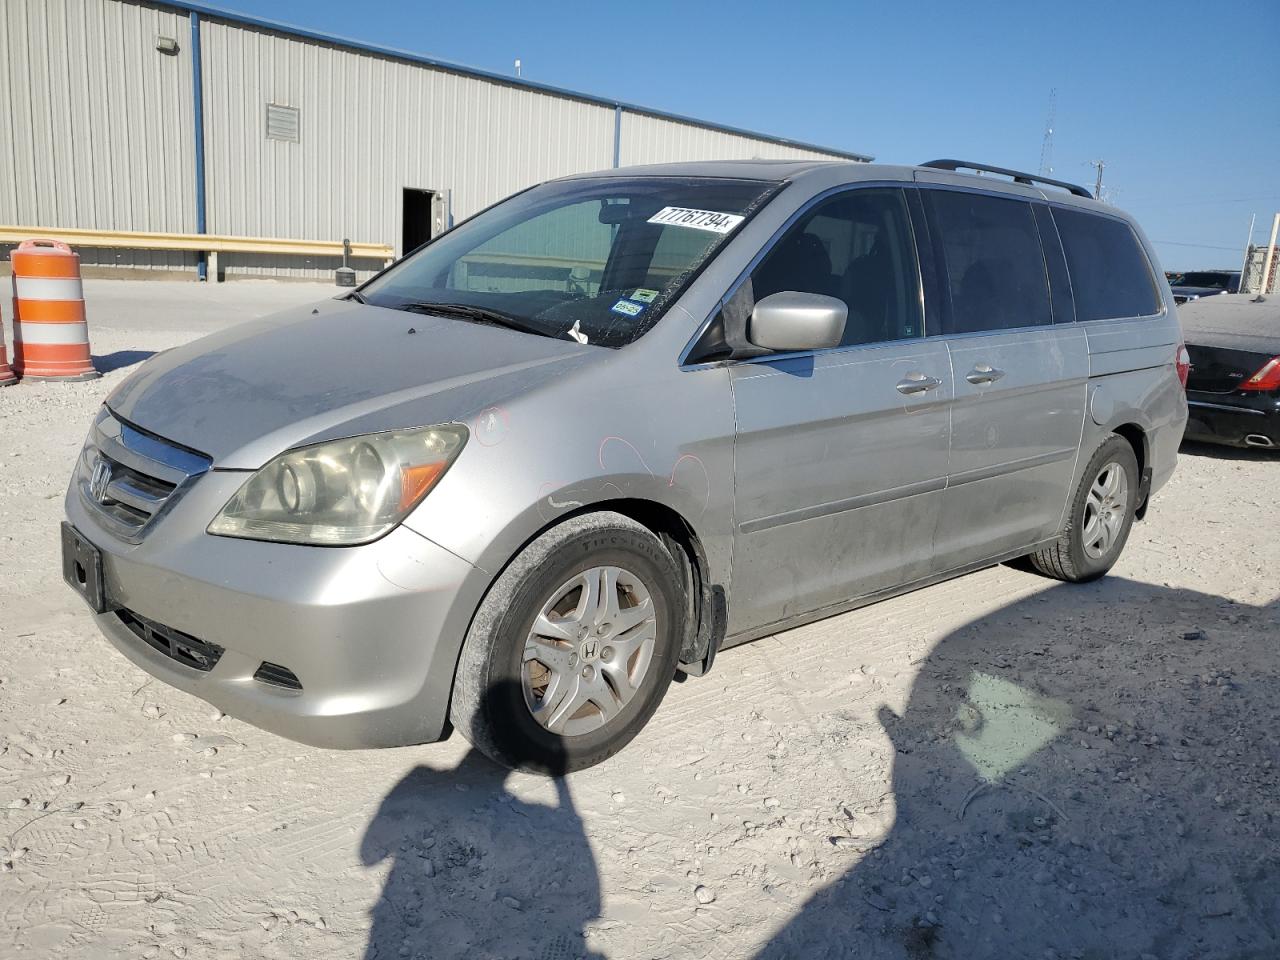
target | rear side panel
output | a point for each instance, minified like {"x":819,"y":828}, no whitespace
{"x":1133,"y":380}
{"x":1119,"y":346}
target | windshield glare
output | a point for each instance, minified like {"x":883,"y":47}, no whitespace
{"x":594,"y":260}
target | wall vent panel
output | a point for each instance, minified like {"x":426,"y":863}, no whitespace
{"x":282,"y":123}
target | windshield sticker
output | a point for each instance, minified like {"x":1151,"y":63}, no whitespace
{"x":696,"y":219}
{"x":627,"y":308}
{"x":645,"y":296}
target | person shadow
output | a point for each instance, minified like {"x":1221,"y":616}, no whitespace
{"x":1088,"y":773}
{"x":477,"y":871}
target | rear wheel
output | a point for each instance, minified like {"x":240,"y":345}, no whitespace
{"x":573,"y":648}
{"x":1100,"y":517}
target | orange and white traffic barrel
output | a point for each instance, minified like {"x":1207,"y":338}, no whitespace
{"x":7,"y":376}
{"x":50,"y":335}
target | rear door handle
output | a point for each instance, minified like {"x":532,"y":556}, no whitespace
{"x":984,"y":373}
{"x":918,"y":383}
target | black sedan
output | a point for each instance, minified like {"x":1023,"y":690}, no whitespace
{"x":1194,"y":284}
{"x":1234,"y":386}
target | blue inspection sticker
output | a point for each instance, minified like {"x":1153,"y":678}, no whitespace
{"x":627,"y":308}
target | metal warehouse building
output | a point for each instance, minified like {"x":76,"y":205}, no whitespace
{"x":164,"y":117}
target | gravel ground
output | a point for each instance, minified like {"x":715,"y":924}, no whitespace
{"x":999,"y":766}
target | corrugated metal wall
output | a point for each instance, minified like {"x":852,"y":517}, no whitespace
{"x":648,"y":139}
{"x":98,"y":128}
{"x":103,"y":133}
{"x":370,"y":127}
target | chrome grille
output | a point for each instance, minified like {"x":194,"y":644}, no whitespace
{"x":129,"y":478}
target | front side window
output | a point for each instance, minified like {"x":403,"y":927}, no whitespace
{"x":857,"y":247}
{"x":1110,"y":275}
{"x":594,"y":260}
{"x":995,"y":270}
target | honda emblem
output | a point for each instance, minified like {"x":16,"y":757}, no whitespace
{"x":99,"y":479}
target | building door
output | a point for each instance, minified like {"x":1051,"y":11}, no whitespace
{"x":417,"y":218}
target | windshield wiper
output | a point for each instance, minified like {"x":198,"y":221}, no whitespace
{"x":467,"y":311}
{"x":357,"y":296}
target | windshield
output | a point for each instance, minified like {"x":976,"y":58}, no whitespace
{"x":593,"y":260}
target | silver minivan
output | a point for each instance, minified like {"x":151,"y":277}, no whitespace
{"x":614,"y":424}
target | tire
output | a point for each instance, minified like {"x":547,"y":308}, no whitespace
{"x":1074,"y":559}
{"x":498,"y":687}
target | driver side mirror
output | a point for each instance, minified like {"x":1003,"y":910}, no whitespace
{"x":791,"y":321}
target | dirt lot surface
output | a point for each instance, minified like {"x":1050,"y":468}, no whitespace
{"x":999,"y":766}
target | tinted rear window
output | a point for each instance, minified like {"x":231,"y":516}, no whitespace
{"x":990,"y":248}
{"x":1110,"y":275}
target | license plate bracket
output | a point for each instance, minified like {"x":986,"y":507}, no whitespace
{"x":82,"y":568}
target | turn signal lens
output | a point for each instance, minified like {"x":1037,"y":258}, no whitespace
{"x":1268,"y":378}
{"x":416,"y":480}
{"x":1183,"y":363}
{"x":341,"y":492}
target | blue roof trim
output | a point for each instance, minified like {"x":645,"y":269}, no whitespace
{"x":231,"y":16}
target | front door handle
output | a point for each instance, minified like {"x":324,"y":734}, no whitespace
{"x":918,"y":383}
{"x":984,"y":373}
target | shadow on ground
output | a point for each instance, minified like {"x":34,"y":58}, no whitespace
{"x":1087,"y":773}
{"x":120,"y":359}
{"x":477,"y":871}
{"x":1218,"y":451}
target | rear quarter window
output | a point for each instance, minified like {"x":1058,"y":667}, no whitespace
{"x":1110,"y":274}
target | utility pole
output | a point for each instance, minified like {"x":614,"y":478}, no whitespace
{"x":1097,"y":184}
{"x":1244,"y":267}
{"x":1046,"y":145}
{"x":1271,"y":252}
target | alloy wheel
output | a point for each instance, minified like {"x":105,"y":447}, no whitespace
{"x":589,"y":650}
{"x":1105,"y":510}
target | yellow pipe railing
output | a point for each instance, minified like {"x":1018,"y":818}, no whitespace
{"x":211,"y":244}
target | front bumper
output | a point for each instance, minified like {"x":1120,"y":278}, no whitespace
{"x":1231,"y":418}
{"x":372,"y":633}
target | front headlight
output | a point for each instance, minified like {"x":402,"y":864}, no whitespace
{"x":341,"y":492}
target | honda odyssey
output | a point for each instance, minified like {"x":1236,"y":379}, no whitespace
{"x":615,"y":424}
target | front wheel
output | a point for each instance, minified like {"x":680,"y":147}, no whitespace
{"x":1100,"y":517}
{"x":573,"y":648}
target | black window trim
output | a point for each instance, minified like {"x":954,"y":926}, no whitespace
{"x":1055,"y":261}
{"x":767,"y":248}
{"x":1142,"y":247}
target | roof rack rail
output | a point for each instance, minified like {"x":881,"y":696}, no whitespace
{"x":1018,"y":176}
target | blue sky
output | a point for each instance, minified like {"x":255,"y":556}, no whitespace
{"x":1167,"y":93}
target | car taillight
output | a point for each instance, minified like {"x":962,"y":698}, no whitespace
{"x":1268,"y":378}
{"x":1183,"y":363}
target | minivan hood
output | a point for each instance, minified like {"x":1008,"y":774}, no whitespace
{"x":338,"y":368}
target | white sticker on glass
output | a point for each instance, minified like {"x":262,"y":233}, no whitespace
{"x":696,"y":219}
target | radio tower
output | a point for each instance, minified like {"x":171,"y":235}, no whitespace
{"x":1046,"y":146}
